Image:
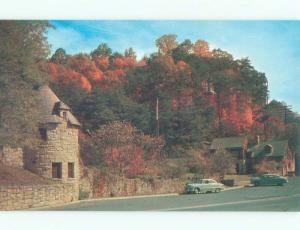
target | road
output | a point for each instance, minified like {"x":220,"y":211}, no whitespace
{"x":266,"y":198}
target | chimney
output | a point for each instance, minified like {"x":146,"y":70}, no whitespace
{"x":257,"y":139}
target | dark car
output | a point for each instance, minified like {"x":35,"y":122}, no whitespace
{"x":268,"y":179}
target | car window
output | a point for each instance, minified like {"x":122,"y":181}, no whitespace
{"x":206,"y":182}
{"x":213,"y":181}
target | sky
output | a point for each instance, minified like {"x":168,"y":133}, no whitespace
{"x":273,"y":47}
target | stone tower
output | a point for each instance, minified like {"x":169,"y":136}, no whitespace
{"x":58,"y":153}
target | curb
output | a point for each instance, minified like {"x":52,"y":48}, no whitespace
{"x":233,"y":188}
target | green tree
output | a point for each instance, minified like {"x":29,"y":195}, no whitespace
{"x":130,"y":53}
{"x":182,"y":50}
{"x":23,"y":47}
{"x":101,"y":51}
{"x":59,"y":56}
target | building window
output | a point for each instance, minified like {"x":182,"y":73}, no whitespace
{"x":43,"y":133}
{"x":65,"y":115}
{"x":71,"y":173}
{"x":56,"y":170}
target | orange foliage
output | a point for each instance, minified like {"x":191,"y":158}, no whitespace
{"x":174,"y":103}
{"x":181,"y":65}
{"x":65,"y":76}
{"x":84,"y":65}
{"x":119,"y":62}
{"x":124,"y":62}
{"x":102,"y":63}
{"x":141,"y":63}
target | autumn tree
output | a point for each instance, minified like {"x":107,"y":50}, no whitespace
{"x":201,"y":49}
{"x":166,"y":44}
{"x":122,"y":148}
{"x":222,"y":163}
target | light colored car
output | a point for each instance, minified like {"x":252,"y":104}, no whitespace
{"x":204,"y":186}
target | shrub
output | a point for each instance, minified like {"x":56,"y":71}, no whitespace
{"x":222,"y":162}
{"x":83,"y":195}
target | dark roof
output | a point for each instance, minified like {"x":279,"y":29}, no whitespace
{"x":61,"y":106}
{"x":279,"y":149}
{"x":50,"y":105}
{"x":51,"y":119}
{"x":17,"y":176}
{"x":227,"y":143}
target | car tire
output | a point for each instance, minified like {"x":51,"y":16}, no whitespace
{"x":217,"y":190}
{"x":256,"y":184}
{"x":197,"y":191}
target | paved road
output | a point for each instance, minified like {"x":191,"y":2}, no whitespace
{"x":267,"y":198}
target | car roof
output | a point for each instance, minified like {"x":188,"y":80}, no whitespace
{"x":269,"y":174}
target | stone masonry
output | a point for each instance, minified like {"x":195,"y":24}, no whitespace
{"x":56,"y":159}
{"x":11,"y":156}
{"x":62,"y":147}
{"x":14,"y":197}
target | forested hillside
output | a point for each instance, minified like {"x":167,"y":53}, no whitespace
{"x":170,"y":103}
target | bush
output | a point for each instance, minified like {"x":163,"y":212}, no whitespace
{"x":83,"y":195}
{"x":222,"y":162}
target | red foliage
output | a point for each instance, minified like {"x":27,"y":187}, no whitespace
{"x":119,"y":62}
{"x":174,"y":103}
{"x":181,"y":65}
{"x":126,"y":159}
{"x":142,"y":63}
{"x":102,"y":63}
{"x":84,"y":65}
{"x":137,"y":164}
{"x":124,"y":62}
{"x":65,"y":76}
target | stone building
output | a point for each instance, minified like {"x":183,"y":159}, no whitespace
{"x":49,"y":175}
{"x":58,"y":154}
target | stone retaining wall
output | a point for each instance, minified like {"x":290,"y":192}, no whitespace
{"x":11,"y":156}
{"x":13,"y":197}
{"x":132,"y":187}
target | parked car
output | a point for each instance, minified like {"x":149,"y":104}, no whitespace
{"x":268,"y":179}
{"x":204,"y":186}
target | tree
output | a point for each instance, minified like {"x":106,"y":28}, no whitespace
{"x":23,"y":47}
{"x":59,"y":56}
{"x":123,"y":149}
{"x":182,"y":50}
{"x":130,"y":53}
{"x":222,"y":162}
{"x":201,"y":49}
{"x":166,"y":44}
{"x":101,"y":51}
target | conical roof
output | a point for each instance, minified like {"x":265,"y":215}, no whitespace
{"x":49,"y":104}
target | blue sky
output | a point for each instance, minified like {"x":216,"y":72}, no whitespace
{"x":272,"y":46}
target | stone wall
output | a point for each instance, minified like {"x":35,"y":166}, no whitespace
{"x":13,"y":197}
{"x":132,"y":187}
{"x":62,"y":147}
{"x":11,"y":156}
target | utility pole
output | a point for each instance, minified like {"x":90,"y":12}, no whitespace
{"x":157,"y":118}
